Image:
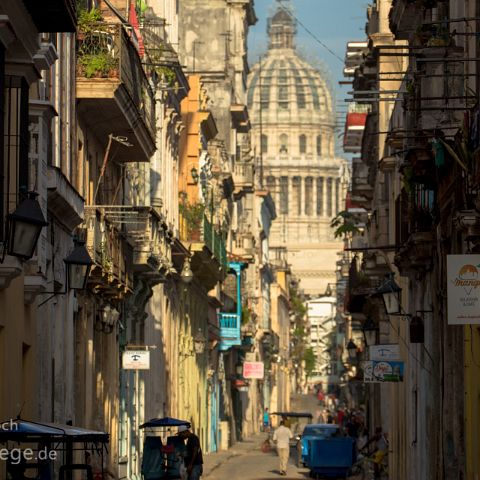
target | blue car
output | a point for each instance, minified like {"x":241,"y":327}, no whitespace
{"x":315,"y":431}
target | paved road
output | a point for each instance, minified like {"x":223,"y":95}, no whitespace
{"x":256,"y":465}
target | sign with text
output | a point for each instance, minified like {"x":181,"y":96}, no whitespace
{"x":136,"y":360}
{"x":382,"y":372}
{"x":385,"y":352}
{"x":463,"y":289}
{"x":253,"y":370}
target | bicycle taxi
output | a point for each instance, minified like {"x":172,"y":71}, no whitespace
{"x":49,"y":451}
{"x":163,"y":450}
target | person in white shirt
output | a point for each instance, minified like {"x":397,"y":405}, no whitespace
{"x":282,"y":438}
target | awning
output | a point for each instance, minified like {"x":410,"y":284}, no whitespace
{"x":165,"y":422}
{"x":22,"y":430}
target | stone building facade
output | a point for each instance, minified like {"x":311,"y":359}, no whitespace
{"x":293,"y":126}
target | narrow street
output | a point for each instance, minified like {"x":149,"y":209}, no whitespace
{"x":255,"y":465}
{"x":249,"y":462}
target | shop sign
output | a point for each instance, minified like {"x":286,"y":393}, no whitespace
{"x":463,"y":289}
{"x":253,"y":370}
{"x":384,"y":352}
{"x":136,"y":360}
{"x":382,"y":372}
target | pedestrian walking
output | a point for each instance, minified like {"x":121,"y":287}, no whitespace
{"x":266,"y":421}
{"x":194,"y":457}
{"x":282,"y":436}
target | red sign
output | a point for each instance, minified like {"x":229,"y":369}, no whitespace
{"x":253,"y":369}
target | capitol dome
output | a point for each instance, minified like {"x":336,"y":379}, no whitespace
{"x":293,"y":139}
{"x":286,"y":87}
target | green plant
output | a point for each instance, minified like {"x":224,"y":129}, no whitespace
{"x":246,"y":315}
{"x":193,"y":214}
{"x":344,"y":224}
{"x":88,"y":19}
{"x":99,"y":64}
{"x":310,"y":360}
{"x":167,"y":75}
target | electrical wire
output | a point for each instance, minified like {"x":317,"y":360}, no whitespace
{"x":408,"y":348}
{"x":329,"y":50}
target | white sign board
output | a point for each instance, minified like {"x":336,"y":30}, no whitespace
{"x":253,"y":370}
{"x":384,"y":352}
{"x":136,"y":360}
{"x":463,"y":289}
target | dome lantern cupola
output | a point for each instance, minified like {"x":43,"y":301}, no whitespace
{"x":281,"y":29}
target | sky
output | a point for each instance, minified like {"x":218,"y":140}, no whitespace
{"x":334,"y":23}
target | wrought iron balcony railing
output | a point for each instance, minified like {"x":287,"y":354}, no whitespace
{"x":108,"y":51}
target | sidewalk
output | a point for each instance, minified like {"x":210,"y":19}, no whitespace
{"x":211,"y":461}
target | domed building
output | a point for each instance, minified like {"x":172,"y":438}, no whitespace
{"x":293,"y":135}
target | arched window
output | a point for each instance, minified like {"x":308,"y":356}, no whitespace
{"x":283,"y":143}
{"x":264,"y":144}
{"x":319,"y":144}
{"x":303,"y":143}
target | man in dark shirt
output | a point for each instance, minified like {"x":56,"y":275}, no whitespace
{"x":194,"y":458}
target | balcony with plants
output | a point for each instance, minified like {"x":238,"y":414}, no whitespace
{"x":207,"y":242}
{"x":112,"y":87}
{"x":112,"y":272}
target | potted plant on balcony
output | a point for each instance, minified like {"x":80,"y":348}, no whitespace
{"x":95,"y":46}
{"x":193,"y":214}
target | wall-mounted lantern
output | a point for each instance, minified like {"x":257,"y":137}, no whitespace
{"x":370,"y":332}
{"x":187,"y":274}
{"x":352,"y":350}
{"x":391,"y":294}
{"x":78,"y":265}
{"x":24,"y":226}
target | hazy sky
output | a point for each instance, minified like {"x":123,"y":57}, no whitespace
{"x":333,"y":22}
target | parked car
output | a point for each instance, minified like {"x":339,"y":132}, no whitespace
{"x":315,"y":431}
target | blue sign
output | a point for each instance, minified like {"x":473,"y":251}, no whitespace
{"x":383,"y":371}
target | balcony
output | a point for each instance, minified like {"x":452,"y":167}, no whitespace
{"x":244,"y":246}
{"x":113,"y":91}
{"x":229,"y":330}
{"x":111,"y":273}
{"x":209,"y":262}
{"x":229,"y":322}
{"x":54,"y":15}
{"x":243,"y":176}
{"x":362,"y":191}
{"x":414,"y":230}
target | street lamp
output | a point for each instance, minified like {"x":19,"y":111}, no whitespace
{"x":78,"y":265}
{"x":199,"y":342}
{"x":187,"y":274}
{"x":352,"y":350}
{"x":370,"y":332}
{"x":391,"y":293}
{"x":24,"y":226}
